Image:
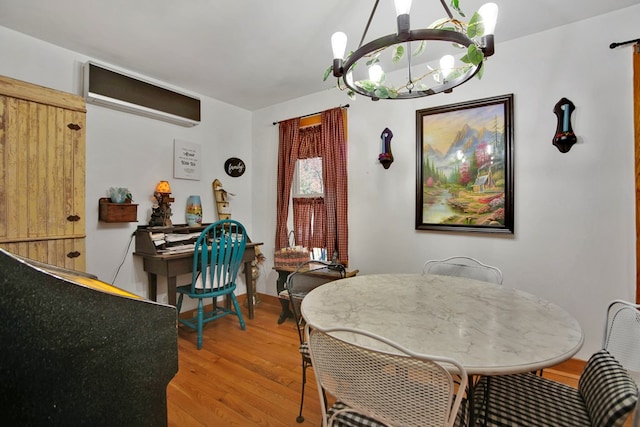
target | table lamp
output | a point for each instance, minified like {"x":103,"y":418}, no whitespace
{"x":161,"y":215}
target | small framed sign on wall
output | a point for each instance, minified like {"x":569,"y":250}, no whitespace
{"x":234,"y":167}
{"x":186,"y":160}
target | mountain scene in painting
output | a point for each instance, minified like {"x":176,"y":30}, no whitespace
{"x":463,"y":171}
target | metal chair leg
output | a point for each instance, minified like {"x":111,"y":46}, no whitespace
{"x":305,"y":364}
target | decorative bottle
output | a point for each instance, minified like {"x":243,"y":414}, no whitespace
{"x":194,"y":211}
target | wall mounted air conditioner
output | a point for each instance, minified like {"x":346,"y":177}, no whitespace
{"x":114,"y":89}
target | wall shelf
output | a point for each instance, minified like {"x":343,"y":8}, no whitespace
{"x":117,"y":212}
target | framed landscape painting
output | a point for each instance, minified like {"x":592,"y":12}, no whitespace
{"x":464,"y":168}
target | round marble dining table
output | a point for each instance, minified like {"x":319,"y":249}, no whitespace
{"x":490,"y":329}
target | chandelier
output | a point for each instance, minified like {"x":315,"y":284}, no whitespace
{"x":471,"y":43}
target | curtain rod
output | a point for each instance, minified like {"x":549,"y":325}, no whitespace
{"x":312,"y":114}
{"x":615,"y":45}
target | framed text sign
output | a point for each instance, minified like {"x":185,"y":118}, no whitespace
{"x":186,"y":160}
{"x":464,"y":166}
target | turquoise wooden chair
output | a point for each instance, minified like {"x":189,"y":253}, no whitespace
{"x":217,"y":258}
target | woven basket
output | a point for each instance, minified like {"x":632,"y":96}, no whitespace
{"x":291,"y":256}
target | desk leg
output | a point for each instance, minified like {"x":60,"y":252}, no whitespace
{"x":171,"y":290}
{"x":153,"y":288}
{"x":152,"y":279}
{"x":249,"y":281}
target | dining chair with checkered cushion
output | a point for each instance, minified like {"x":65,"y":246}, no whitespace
{"x":297,"y":286}
{"x":622,"y":333}
{"x":605,"y":397}
{"x":377,"y":382}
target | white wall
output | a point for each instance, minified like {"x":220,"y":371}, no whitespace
{"x":574,"y":240}
{"x":127,"y":150}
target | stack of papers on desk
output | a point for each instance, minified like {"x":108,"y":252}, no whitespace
{"x":177,"y":249}
{"x":180,"y":237}
{"x":157,"y":238}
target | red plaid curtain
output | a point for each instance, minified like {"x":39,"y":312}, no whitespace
{"x":309,"y":221}
{"x":334,"y":170}
{"x":329,"y":214}
{"x":310,"y":142}
{"x":287,"y":156}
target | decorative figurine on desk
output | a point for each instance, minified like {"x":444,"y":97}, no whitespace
{"x":222,"y":204}
{"x":161,"y":215}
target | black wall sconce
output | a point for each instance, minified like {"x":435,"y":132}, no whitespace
{"x":386,"y":156}
{"x":564,"y":137}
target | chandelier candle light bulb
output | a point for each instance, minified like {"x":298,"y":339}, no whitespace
{"x":489,"y":14}
{"x":339,"y":46}
{"x":375,"y":73}
{"x":403,"y":7}
{"x":446,"y":65}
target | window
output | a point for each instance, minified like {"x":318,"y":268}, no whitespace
{"x":307,"y":179}
{"x":307,"y":192}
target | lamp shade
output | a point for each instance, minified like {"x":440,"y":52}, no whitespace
{"x":163,"y":187}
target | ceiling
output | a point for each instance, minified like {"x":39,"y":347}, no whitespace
{"x":251,"y":53}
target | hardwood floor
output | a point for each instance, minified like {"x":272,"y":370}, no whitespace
{"x":241,"y":378}
{"x":252,"y":377}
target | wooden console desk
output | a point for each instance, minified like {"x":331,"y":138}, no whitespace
{"x":172,"y":265}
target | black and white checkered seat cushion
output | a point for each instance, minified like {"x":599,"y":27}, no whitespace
{"x":355,"y":419}
{"x":351,"y":418}
{"x":304,"y":350}
{"x":605,"y":397}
